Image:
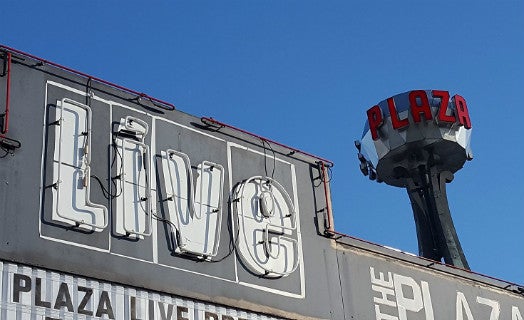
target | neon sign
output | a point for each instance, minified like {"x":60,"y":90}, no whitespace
{"x":420,"y":109}
{"x":267,"y":237}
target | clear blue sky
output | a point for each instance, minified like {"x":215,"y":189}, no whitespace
{"x":305,"y":72}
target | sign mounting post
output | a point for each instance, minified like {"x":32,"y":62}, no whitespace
{"x":418,"y":140}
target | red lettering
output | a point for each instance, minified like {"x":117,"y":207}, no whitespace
{"x":395,"y":121}
{"x":423,"y":108}
{"x":419,"y":106}
{"x":375,"y":120}
{"x":444,"y":101}
{"x":462,"y":111}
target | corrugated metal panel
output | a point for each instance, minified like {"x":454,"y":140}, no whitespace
{"x":37,"y":294}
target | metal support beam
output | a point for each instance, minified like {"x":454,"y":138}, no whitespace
{"x":437,"y":237}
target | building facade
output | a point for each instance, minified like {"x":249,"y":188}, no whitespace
{"x":116,"y":205}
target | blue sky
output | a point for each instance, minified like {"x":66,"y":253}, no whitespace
{"x":304,"y":73}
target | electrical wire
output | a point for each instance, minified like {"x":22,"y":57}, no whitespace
{"x":107,"y":193}
{"x":233,"y":241}
{"x":329,"y":176}
{"x":264,"y":141}
{"x":7,"y":152}
{"x":164,"y":220}
{"x":143,"y":200}
{"x":323,"y":177}
{"x":88,"y":91}
{"x":4,"y":69}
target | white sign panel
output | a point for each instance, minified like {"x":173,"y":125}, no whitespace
{"x":32,"y":293}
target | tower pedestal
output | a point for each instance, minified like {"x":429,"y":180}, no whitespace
{"x":437,"y":237}
{"x":417,"y":140}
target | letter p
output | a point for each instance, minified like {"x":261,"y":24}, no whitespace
{"x":375,"y":120}
{"x":411,"y":299}
{"x":21,"y":283}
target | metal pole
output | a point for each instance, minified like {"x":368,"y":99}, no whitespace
{"x":437,"y":237}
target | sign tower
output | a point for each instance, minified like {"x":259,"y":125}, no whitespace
{"x":417,"y":140}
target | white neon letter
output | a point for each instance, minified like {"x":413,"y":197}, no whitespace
{"x":268,"y":236}
{"x":71,"y":168}
{"x":195,"y":210}
{"x":133,"y":205}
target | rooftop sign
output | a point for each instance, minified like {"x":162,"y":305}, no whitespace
{"x":399,"y":128}
{"x":417,"y":140}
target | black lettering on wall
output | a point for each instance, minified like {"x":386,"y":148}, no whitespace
{"x":104,"y":306}
{"x":151,"y":309}
{"x":18,"y":287}
{"x":38,"y":295}
{"x":133,"y":309}
{"x":85,"y":300}
{"x":181,"y":313}
{"x":163,"y":314}
{"x":63,"y":298}
{"x":210,"y":316}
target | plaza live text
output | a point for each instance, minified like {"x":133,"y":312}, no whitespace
{"x":94,"y":302}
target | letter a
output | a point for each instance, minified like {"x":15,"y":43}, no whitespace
{"x":462,"y":305}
